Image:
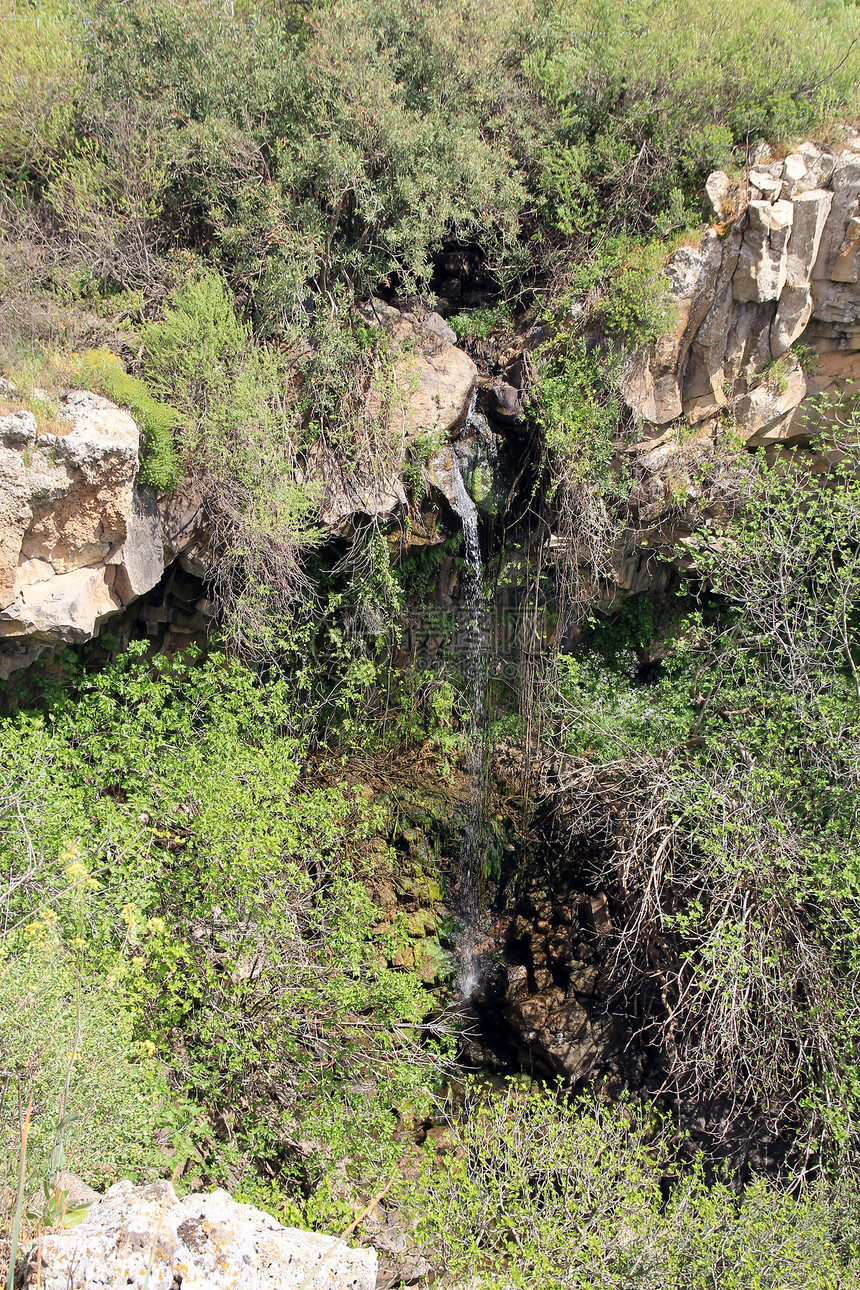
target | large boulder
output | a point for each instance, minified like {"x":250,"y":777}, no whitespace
{"x":79,"y":538}
{"x":146,"y":1236}
{"x":425,"y":394}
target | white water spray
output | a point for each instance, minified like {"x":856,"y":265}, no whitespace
{"x":475,"y":640}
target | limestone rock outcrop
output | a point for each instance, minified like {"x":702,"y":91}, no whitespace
{"x":780,"y":265}
{"x":146,"y":1236}
{"x":427,"y":393}
{"x":79,"y":538}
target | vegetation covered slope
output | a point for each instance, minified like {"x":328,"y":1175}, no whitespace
{"x":211,"y":961}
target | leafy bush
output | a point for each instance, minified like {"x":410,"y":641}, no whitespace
{"x":477,"y":324}
{"x":574,"y":1195}
{"x":738,"y":851}
{"x":41,"y":77}
{"x":311,"y":150}
{"x":229,"y":905}
{"x":238,"y":437}
{"x":100,"y":1102}
{"x":576,"y":409}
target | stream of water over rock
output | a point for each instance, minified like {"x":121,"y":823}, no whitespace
{"x":474,"y":637}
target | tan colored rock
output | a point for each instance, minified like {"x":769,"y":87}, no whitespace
{"x":433,"y":381}
{"x":810,"y":217}
{"x":650,"y":381}
{"x":347,"y":489}
{"x":819,"y":167}
{"x":705,"y":371}
{"x":769,"y":185}
{"x":846,"y":267}
{"x":835,"y":302}
{"x":846,"y":194}
{"x":760,"y":275}
{"x":140,"y":562}
{"x":66,"y":607}
{"x":653,"y":398}
{"x":834,"y":371}
{"x":764,"y":415}
{"x":792,"y":316}
{"x":718,"y":188}
{"x":433,"y":384}
{"x":77,"y":539}
{"x":794,"y":171}
{"x":146,"y":1236}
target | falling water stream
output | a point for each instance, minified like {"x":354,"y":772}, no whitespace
{"x":474,"y":637}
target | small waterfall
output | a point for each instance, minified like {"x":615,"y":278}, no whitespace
{"x":474,"y":635}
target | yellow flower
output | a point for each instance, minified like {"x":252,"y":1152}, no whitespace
{"x":155,"y":924}
{"x":138,"y":961}
{"x":76,"y":872}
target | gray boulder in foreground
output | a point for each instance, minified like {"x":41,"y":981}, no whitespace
{"x":204,"y":1242}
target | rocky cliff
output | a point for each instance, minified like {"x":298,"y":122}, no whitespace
{"x":767,"y":321}
{"x":779,"y":267}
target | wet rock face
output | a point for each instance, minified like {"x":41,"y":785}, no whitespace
{"x":550,"y":990}
{"x":136,"y":1236}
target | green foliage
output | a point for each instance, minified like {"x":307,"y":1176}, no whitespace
{"x":101,"y":370}
{"x":478,"y":323}
{"x":628,"y":626}
{"x":41,"y":77}
{"x":648,"y":98}
{"x":102,"y":1126}
{"x":742,"y":844}
{"x":575,"y":1195}
{"x":198,"y":336}
{"x":333,"y":178}
{"x":622,"y":291}
{"x":315,"y":149}
{"x":418,"y":571}
{"x":237,"y":435}
{"x":575,"y":409}
{"x":226,"y":900}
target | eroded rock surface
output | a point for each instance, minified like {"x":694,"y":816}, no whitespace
{"x":781,"y":265}
{"x":136,"y":1236}
{"x":427,"y":393}
{"x":79,"y":539}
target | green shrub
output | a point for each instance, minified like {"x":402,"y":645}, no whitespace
{"x":229,"y":904}
{"x":477,"y":324}
{"x":100,"y":1099}
{"x":738,"y":849}
{"x":575,"y":408}
{"x":198,"y":346}
{"x":41,"y":76}
{"x":101,"y":370}
{"x":536,"y":1191}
